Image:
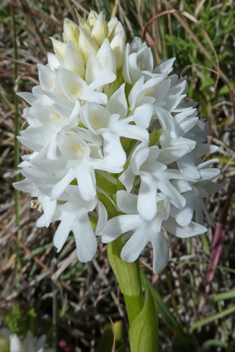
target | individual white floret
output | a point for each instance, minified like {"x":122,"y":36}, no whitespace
{"x":139,"y":231}
{"x":154,"y":176}
{"x":138,"y":62}
{"x":143,"y":231}
{"x":73,"y":216}
{"x":111,"y":127}
{"x":200,"y":189}
{"x":42,"y":136}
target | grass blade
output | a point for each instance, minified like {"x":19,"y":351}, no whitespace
{"x":223,"y":296}
{"x":208,"y":320}
{"x":210,"y":343}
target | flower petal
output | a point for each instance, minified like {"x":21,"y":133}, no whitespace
{"x":127,"y":202}
{"x":106,"y":57}
{"x":15,"y":344}
{"x":119,"y":225}
{"x":160,"y":252}
{"x":147,"y":198}
{"x":86,"y":243}
{"x":134,"y":246}
{"x":193,"y":229}
{"x":117,"y":103}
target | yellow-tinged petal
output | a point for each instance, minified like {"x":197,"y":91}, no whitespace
{"x":118,"y":46}
{"x":59,"y":47}
{"x":100,"y":30}
{"x":71,"y":32}
{"x":87,"y":45}
{"x":119,"y":28}
{"x":92,"y":18}
{"x":4,"y":345}
{"x":115,"y":27}
{"x":83,"y":23}
{"x":112,"y":24}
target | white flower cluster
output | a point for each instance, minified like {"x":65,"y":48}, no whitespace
{"x":117,"y":149}
{"x":12,"y":343}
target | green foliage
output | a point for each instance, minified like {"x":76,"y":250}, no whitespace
{"x":105,"y":184}
{"x":109,"y":204}
{"x":113,"y":332}
{"x":78,"y":267}
{"x":211,"y":318}
{"x":154,"y":137}
{"x":162,"y":308}
{"x":143,"y":333}
{"x":218,"y":23}
{"x":214,"y":343}
{"x":19,"y":323}
{"x":5,"y":12}
{"x":142,"y":314}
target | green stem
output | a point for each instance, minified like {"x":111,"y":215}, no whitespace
{"x":128,"y":277}
{"x":142,"y":313}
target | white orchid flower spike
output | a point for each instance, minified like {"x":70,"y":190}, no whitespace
{"x":117,"y":150}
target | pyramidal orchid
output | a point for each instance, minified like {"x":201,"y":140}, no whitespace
{"x":110,"y":130}
{"x":117,"y":153}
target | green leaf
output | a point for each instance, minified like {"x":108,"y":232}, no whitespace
{"x":210,"y":343}
{"x":228,"y":29}
{"x":143,"y":332}
{"x":190,"y":262}
{"x":111,"y":332}
{"x":223,"y":90}
{"x":125,"y":141}
{"x":224,"y":296}
{"x":205,"y":244}
{"x":206,"y":82}
{"x":154,"y":137}
{"x":163,"y":310}
{"x":224,"y":55}
{"x":109,"y":205}
{"x":19,"y":323}
{"x":105,"y":184}
{"x":208,"y":320}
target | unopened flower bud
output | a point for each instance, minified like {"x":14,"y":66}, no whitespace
{"x":87,"y":45}
{"x":71,"y":32}
{"x":58,"y":47}
{"x":100,"y":30}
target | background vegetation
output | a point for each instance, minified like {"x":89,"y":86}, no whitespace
{"x":71,"y":302}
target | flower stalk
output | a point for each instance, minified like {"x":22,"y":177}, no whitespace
{"x":142,"y":314}
{"x":128,"y":277}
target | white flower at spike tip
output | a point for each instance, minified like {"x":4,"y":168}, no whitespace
{"x":13,"y":343}
{"x":110,"y":130}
